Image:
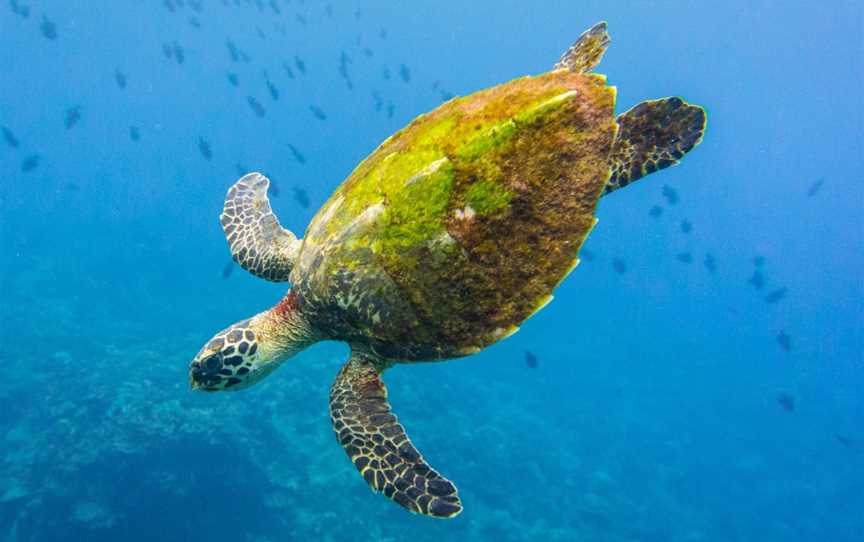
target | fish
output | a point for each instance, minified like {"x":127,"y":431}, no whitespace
{"x":383,"y":33}
{"x":9,"y":137}
{"x":275,"y":7}
{"x":274,"y":92}
{"x":775,"y":296}
{"x":233,"y":52}
{"x":48,"y":28}
{"x":73,"y":115}
{"x":134,"y":134}
{"x":784,"y":340}
{"x":301,"y":19}
{"x":301,"y":197}
{"x":786,"y":401}
{"x":232,"y":78}
{"x":814,"y":188}
{"x":255,"y":106}
{"x":228,"y":269}
{"x":319,"y":114}
{"x":379,"y":103}
{"x":686,"y":226}
{"x":179,"y":55}
{"x":670,"y":194}
{"x":619,"y":266}
{"x":586,"y":255}
{"x":194,"y":22}
{"x":274,"y":188}
{"x":329,"y":10}
{"x":30,"y":163}
{"x":205,"y":149}
{"x":759,"y":261}
{"x":120,"y":78}
{"x":405,"y":73}
{"x":167,"y":50}
{"x":757,"y":280}
{"x":446,"y":96}
{"x":386,"y":74}
{"x":169,"y":5}
{"x":297,"y":155}
{"x":845,"y":441}
{"x":655,"y":211}
{"x":19,"y":9}
{"x":368,"y":53}
{"x":684,"y":257}
{"x":301,"y":66}
{"x":530,"y":359}
{"x":710,"y":263}
{"x":391,"y":108}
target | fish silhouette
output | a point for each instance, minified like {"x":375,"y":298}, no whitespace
{"x":405,"y":73}
{"x":19,"y":9}
{"x":531,"y":359}
{"x":255,"y":106}
{"x":655,"y":211}
{"x":319,"y":114}
{"x":205,"y":149}
{"x":786,"y":401}
{"x":670,"y":194}
{"x":784,"y":340}
{"x":685,"y":257}
{"x":48,"y":28}
{"x":134,"y":134}
{"x":274,"y":92}
{"x":297,"y":155}
{"x":775,"y":296}
{"x":619,"y":266}
{"x":686,"y":226}
{"x":30,"y":163}
{"x":301,"y":197}
{"x":228,"y":269}
{"x":757,"y":280}
{"x":710,"y":263}
{"x":120,"y":78}
{"x":814,"y":188}
{"x":301,"y":66}
{"x":232,"y":78}
{"x":73,"y":115}
{"x":9,"y":137}
{"x":586,"y":255}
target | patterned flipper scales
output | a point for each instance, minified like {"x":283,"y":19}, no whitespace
{"x":653,"y":135}
{"x":377,"y":444}
{"x":257,"y":242}
{"x":587,"y":51}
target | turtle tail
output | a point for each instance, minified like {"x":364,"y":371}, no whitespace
{"x":652,"y":136}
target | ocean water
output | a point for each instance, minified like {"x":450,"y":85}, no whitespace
{"x":697,"y":378}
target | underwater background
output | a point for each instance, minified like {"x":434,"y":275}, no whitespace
{"x":697,"y":378}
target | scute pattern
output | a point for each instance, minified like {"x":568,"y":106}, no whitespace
{"x":377,"y":444}
{"x":256,"y":240}
{"x":652,"y":136}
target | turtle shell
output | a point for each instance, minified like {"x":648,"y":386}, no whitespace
{"x":459,"y":226}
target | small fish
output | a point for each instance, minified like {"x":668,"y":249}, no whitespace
{"x":685,"y":257}
{"x":446,"y":96}
{"x":757,"y":280}
{"x":288,"y":70}
{"x":49,"y":29}
{"x":232,"y":78}
{"x":759,"y":261}
{"x":845,"y":441}
{"x":379,"y":103}
{"x":814,"y":188}
{"x":383,"y":33}
{"x":405,"y":73}
{"x":72,"y":187}
{"x":134,"y":134}
{"x":19,"y":9}
{"x":301,"y":66}
{"x":274,"y":188}
{"x":686,"y":226}
{"x":386,"y":74}
{"x":73,"y":115}
{"x":297,"y":156}
{"x":179,"y":55}
{"x":255,"y":106}
{"x":390,"y":110}
{"x":9,"y":137}
{"x":784,"y":340}
{"x":120,"y":78}
{"x":368,"y":53}
{"x":710,"y":263}
{"x":30,"y":163}
{"x":586,"y":255}
{"x":301,"y":19}
{"x":167,"y":50}
{"x":655,"y":211}
{"x":530,"y":359}
{"x":204,"y":147}
{"x":301,"y":197}
{"x":329,"y":10}
{"x":260,"y":32}
{"x":619,"y":266}
{"x":169,"y":5}
{"x":194,"y":22}
{"x":319,"y":114}
{"x":275,"y":7}
{"x":196,"y":6}
{"x":775,"y":296}
{"x":670,"y":194}
{"x":786,"y":401}
{"x":228,"y":269}
{"x":274,"y":92}
{"x":233,"y":51}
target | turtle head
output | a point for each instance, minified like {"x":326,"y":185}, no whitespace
{"x":247,"y":351}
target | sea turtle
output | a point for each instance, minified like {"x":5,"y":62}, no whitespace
{"x":454,"y":231}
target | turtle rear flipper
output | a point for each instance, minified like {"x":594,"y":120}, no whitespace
{"x":587,"y":51}
{"x":256,"y":239}
{"x":652,"y":136}
{"x":377,"y":444}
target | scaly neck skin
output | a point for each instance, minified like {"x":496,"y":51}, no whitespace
{"x":282,"y":331}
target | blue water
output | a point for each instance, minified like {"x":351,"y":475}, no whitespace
{"x":673,"y":399}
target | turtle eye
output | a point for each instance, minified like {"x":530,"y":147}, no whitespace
{"x":212,"y":363}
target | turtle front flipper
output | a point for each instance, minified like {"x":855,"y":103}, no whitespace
{"x":584,"y":55}
{"x":655,"y":134}
{"x":256,"y":239}
{"x":377,"y":444}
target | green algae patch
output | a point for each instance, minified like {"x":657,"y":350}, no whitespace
{"x":486,"y":196}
